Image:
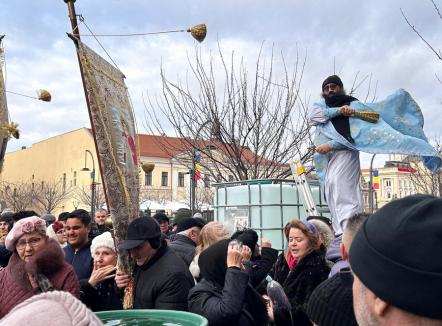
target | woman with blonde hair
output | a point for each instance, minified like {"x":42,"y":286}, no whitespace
{"x":211,"y":232}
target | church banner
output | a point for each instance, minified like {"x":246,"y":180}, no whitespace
{"x":114,"y":130}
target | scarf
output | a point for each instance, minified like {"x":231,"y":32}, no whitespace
{"x":340,"y":122}
{"x":291,"y":261}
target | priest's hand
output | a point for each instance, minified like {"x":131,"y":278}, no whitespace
{"x":323,"y":148}
{"x":347,"y":110}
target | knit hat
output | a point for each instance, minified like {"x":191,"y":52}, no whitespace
{"x":24,"y":226}
{"x":331,"y":303}
{"x":103,"y":240}
{"x":45,"y":308}
{"x":333,"y":79}
{"x":396,"y":254}
{"x":139,"y":230}
{"x":189,"y":222}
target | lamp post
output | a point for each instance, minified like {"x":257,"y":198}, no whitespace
{"x":92,"y":177}
{"x":370,"y":186}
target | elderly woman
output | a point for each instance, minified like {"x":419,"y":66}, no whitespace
{"x":210,"y":233}
{"x":100,"y":292}
{"x":56,"y":231}
{"x":224,"y":296}
{"x":301,"y":268}
{"x":36,"y":265}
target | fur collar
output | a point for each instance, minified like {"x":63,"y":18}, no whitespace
{"x":47,"y":261}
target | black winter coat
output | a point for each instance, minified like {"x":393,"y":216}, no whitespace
{"x":106,"y":296}
{"x":237,"y":303}
{"x":299,"y":283}
{"x":163,"y":282}
{"x":260,"y":266}
{"x":184,"y":247}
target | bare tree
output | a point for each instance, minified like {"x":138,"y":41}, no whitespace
{"x":19,"y":195}
{"x":248,"y":126}
{"x":84,"y":196}
{"x":423,"y":180}
{"x":437,"y":52}
{"x":154,"y":194}
{"x":51,"y":195}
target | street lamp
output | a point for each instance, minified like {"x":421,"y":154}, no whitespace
{"x":370,"y":188}
{"x":92,"y":177}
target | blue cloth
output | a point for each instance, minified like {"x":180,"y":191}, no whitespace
{"x":81,"y":260}
{"x":398,"y":131}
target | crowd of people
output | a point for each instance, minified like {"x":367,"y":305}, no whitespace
{"x":352,"y":269}
{"x":386,"y":271}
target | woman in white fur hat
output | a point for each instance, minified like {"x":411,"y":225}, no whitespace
{"x":99,"y":292}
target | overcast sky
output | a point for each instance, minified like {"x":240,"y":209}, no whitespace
{"x":369,"y":37}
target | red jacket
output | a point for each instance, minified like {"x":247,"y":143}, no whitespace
{"x":14,"y":282}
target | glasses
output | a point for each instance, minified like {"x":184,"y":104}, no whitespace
{"x":330,"y":87}
{"x":33,"y":242}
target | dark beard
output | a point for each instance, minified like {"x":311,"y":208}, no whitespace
{"x":340,"y":122}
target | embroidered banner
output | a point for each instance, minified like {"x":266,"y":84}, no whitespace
{"x":3,"y":115}
{"x":113,"y":124}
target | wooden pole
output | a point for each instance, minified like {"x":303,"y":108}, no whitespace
{"x":75,"y":38}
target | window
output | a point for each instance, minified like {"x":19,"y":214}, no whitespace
{"x":231,"y":178}
{"x":180,"y":179}
{"x":164,"y":179}
{"x":148,"y":178}
{"x":388,"y":182}
{"x":64,"y":182}
{"x":75,"y":178}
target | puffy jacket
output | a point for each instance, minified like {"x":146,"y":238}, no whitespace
{"x":235,"y":303}
{"x":184,"y":247}
{"x":14,"y":281}
{"x":163,"y":282}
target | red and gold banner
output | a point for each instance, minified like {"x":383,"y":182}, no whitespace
{"x":113,"y":125}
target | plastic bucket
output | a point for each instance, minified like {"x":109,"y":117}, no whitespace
{"x":150,"y":317}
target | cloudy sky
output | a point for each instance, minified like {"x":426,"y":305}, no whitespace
{"x":348,"y":37}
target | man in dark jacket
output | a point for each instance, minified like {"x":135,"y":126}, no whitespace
{"x":78,"y":252}
{"x":6,"y":222}
{"x":187,"y":238}
{"x":161,"y":279}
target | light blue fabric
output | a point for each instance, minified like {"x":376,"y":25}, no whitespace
{"x":398,"y":131}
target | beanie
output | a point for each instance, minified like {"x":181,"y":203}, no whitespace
{"x":331,"y":303}
{"x":45,"y":308}
{"x":103,"y":240}
{"x":188,"y":223}
{"x":333,"y":79}
{"x":396,"y":254}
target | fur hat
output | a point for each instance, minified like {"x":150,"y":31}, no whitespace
{"x":103,"y":240}
{"x":24,"y":226}
{"x":45,"y":308}
{"x":333,"y":79}
{"x":396,"y":254}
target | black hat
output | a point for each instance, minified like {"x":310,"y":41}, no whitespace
{"x":161,"y":217}
{"x":139,"y":230}
{"x":248,"y":237}
{"x":333,"y":79}
{"x":189,"y":222}
{"x":331,"y":303}
{"x":320,"y":218}
{"x":397,"y":252}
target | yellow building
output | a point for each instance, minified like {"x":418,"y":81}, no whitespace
{"x":394,"y":182}
{"x":60,"y":159}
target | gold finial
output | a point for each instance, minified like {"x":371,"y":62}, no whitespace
{"x":198,"y":32}
{"x":44,"y":95}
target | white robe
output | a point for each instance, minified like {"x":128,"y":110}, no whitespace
{"x":342,"y":180}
